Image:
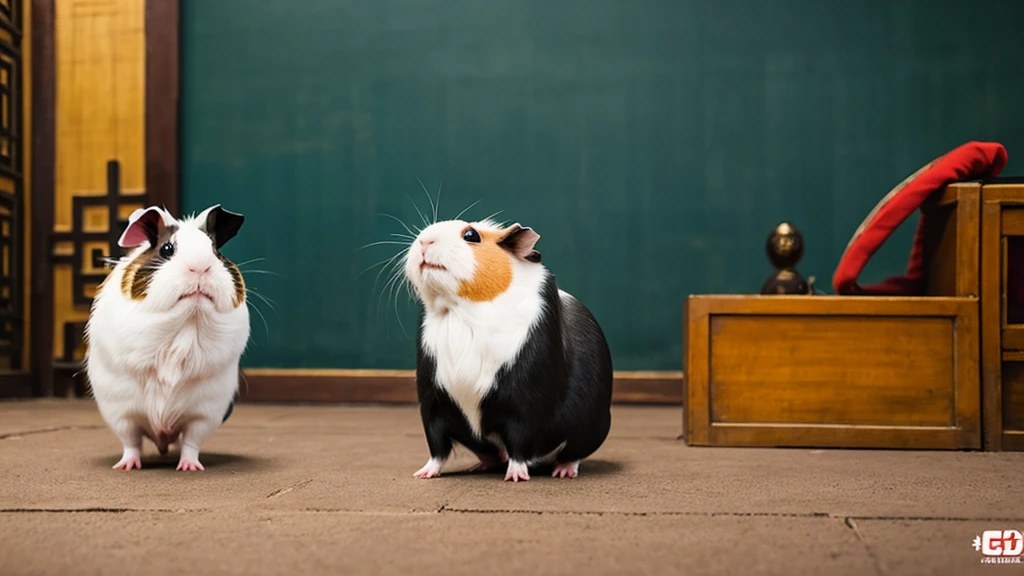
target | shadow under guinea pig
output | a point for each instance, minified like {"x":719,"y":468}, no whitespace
{"x":210,"y":460}
{"x":587,"y":468}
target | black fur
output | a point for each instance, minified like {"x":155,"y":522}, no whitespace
{"x":231,"y":408}
{"x":222,"y":225}
{"x":558,"y":390}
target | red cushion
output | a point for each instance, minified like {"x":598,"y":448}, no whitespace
{"x":970,"y":161}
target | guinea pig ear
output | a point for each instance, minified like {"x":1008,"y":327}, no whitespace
{"x":220,"y":224}
{"x":144,"y":225}
{"x":520,"y":241}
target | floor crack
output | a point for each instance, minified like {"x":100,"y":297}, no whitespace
{"x":98,"y":510}
{"x":852,"y":525}
{"x":46,"y":431}
{"x":287,"y":489}
{"x":933,"y":519}
{"x":445,"y":508}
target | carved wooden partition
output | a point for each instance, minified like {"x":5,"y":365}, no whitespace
{"x":14,"y":379}
{"x":100,"y":87}
{"x":81,"y":253}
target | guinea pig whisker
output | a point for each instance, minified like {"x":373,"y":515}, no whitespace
{"x":240,"y":264}
{"x":252,"y":305}
{"x":270,"y":301}
{"x":404,"y":225}
{"x":433,"y":207}
{"x":393,"y":274}
{"x":261,"y":272}
{"x":493,"y":215}
{"x":398,"y":283}
{"x":391,"y":261}
{"x":437,"y":205}
{"x":410,"y":290}
{"x":266,"y":300}
{"x":422,"y":217}
{"x":410,"y":238}
{"x":365,"y":270}
{"x":398,"y":316}
{"x":395,"y":268}
{"x":466,"y":209}
{"x":397,"y":275}
{"x":380,"y":242}
{"x":386,"y":289}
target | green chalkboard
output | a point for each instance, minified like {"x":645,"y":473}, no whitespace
{"x":652,"y":143}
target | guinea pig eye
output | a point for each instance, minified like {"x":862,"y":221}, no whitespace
{"x":167,"y":250}
{"x":471,"y":235}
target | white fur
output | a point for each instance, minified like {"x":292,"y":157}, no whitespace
{"x":470,"y":341}
{"x":164,"y":364}
{"x":517,"y":471}
{"x":431,"y":469}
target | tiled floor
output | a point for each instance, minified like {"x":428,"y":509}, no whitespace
{"x":329,"y":490}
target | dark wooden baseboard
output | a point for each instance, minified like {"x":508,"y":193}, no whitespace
{"x":398,"y":386}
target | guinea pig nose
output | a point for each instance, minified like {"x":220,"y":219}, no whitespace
{"x":199,"y":269}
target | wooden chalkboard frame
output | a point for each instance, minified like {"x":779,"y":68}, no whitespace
{"x":163,"y":122}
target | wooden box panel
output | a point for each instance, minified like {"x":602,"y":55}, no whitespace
{"x":832,"y":372}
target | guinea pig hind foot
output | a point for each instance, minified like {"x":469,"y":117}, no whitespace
{"x":189,"y":459}
{"x":566,"y":469}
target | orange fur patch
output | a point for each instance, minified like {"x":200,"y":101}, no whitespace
{"x":493,"y":269}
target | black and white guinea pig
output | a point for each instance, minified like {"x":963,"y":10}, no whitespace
{"x":507,"y":365}
{"x":165,"y":334}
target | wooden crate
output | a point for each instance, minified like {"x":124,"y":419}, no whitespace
{"x":832,"y":371}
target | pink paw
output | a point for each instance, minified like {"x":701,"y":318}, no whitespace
{"x":128,"y":462}
{"x":431,"y":469}
{"x":190,"y":465}
{"x":566,"y":470}
{"x":517,"y":471}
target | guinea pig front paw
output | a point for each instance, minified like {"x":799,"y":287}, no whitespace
{"x":517,"y":471}
{"x":431,"y":469}
{"x":131,"y":459}
{"x":190,"y":465}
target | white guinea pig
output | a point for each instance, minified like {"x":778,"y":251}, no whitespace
{"x":507,"y":364}
{"x":166,"y":332}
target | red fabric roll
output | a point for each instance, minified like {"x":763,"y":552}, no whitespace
{"x":971,"y":161}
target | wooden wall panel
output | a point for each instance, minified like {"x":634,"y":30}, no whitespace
{"x":100,"y":116}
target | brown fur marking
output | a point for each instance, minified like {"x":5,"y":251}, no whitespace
{"x":493,"y":269}
{"x":138,"y":275}
{"x":236,"y":279}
